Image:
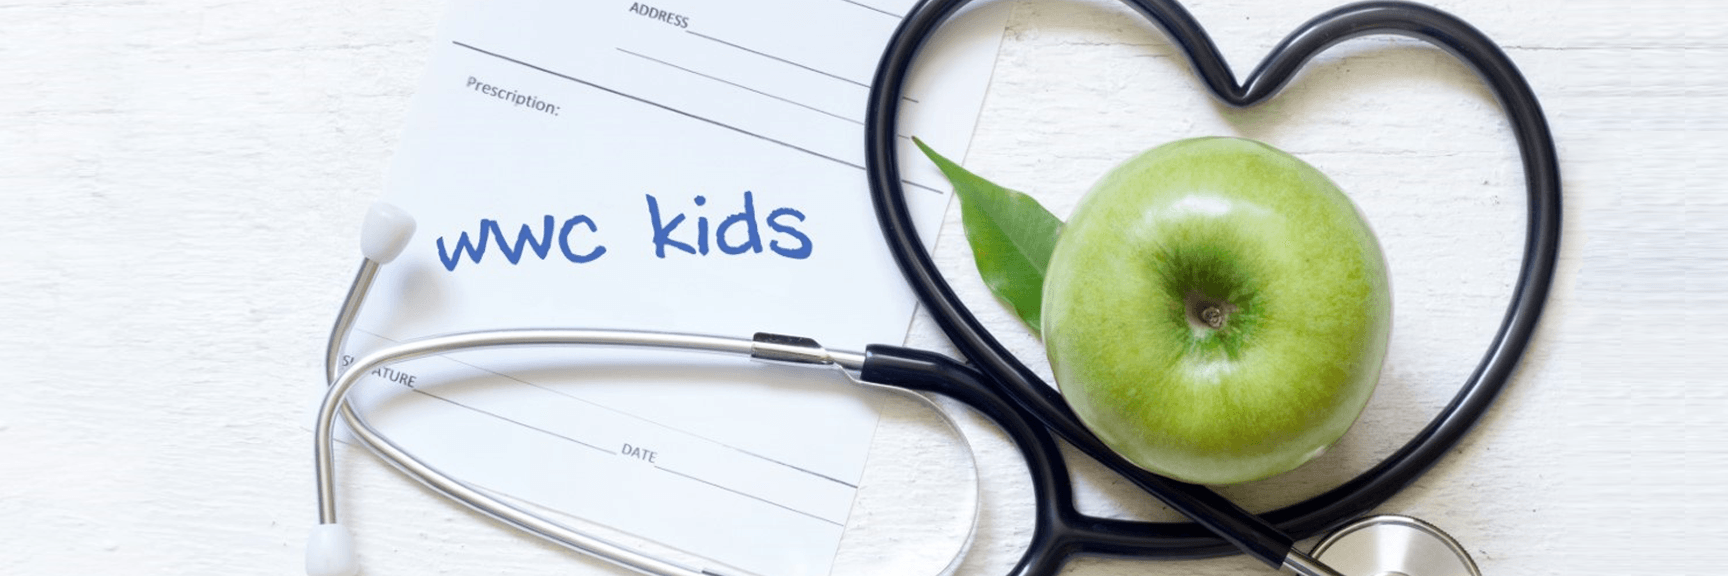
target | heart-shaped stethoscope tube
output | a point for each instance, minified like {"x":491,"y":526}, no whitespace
{"x":1271,"y":534}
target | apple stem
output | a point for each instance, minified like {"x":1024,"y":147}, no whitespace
{"x":1212,"y":316}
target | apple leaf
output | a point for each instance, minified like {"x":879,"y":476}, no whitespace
{"x":1011,"y":235}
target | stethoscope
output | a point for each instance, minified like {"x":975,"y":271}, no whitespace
{"x":997,"y":385}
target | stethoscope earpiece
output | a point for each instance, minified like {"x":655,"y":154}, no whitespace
{"x":386,"y":232}
{"x":330,"y":547}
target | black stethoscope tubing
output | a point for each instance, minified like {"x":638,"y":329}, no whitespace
{"x":1221,"y":527}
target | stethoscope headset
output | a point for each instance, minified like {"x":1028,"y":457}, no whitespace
{"x":1006,"y":391}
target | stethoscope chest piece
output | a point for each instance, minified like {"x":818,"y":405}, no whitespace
{"x":1391,"y":545}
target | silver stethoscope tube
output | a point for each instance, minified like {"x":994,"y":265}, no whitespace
{"x":333,"y":404}
{"x":330,"y":550}
{"x":333,"y":398}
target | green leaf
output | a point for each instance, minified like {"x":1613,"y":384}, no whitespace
{"x":1012,"y":237}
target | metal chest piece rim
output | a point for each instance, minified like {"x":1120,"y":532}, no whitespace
{"x":1394,"y":545}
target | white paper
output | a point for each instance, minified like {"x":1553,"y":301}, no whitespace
{"x":689,"y":167}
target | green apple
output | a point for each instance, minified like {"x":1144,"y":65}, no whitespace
{"x":1216,"y":311}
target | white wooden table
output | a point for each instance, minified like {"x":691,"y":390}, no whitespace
{"x":181,"y":184}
